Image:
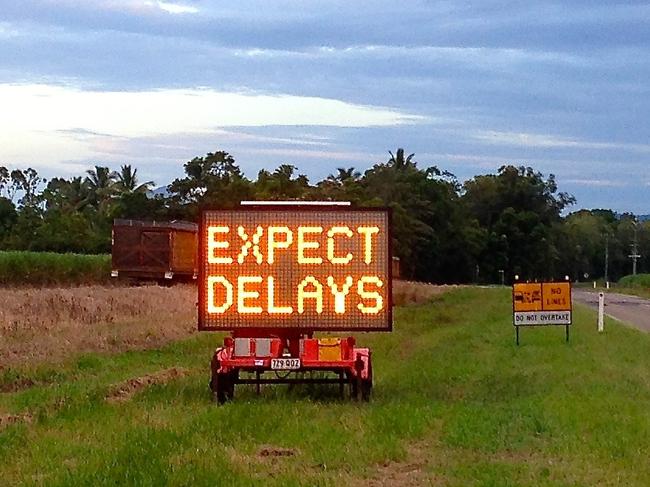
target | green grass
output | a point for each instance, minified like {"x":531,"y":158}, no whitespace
{"x":638,"y":285}
{"x":455,"y":398}
{"x":640,"y":280}
{"x":49,"y":268}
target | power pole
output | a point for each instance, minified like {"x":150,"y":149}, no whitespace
{"x":635,"y":250}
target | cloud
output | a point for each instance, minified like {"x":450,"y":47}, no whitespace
{"x":603,"y":183}
{"x":174,"y":8}
{"x":46,"y":123}
{"x":139,"y":113}
{"x":552,"y":141}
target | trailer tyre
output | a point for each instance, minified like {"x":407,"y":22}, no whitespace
{"x":361,"y":389}
{"x":222,"y":388}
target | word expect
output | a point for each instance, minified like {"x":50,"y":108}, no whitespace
{"x":312,"y":244}
{"x":255,"y":295}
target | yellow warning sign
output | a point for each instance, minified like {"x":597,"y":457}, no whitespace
{"x":556,"y":296}
{"x":527,"y":296}
{"x":541,"y":303}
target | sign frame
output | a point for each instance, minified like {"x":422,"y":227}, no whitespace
{"x":542,"y":310}
{"x":294,"y":208}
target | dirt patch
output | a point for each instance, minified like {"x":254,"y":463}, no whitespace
{"x":16,"y":385}
{"x":127,"y":389}
{"x":9,"y":419}
{"x":410,"y":473}
{"x":274,"y":451}
{"x":409,"y":292}
{"x":52,"y":324}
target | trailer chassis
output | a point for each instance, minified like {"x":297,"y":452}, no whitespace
{"x":341,"y":364}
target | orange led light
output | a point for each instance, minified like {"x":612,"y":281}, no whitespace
{"x":227,"y":302}
{"x":316,"y":294}
{"x":370,"y":295}
{"x":255,"y":245}
{"x":278,"y":244}
{"x":331,"y":245}
{"x":339,"y":294}
{"x":304,"y":245}
{"x":243,"y":294}
{"x":367,"y":233}
{"x":273,"y":308}
{"x":214,"y":244}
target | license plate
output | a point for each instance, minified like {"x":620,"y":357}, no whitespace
{"x":285,"y":363}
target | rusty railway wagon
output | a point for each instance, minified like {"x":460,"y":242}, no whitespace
{"x":150,"y":250}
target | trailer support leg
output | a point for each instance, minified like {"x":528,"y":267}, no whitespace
{"x":358,"y":366}
{"x":257,"y":382}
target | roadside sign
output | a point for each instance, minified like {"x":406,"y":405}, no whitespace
{"x":541,"y":304}
{"x":295,"y":267}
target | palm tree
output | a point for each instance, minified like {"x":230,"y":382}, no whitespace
{"x":101,"y":184}
{"x":398,"y":160}
{"x":343,"y":175}
{"x":127,"y":181}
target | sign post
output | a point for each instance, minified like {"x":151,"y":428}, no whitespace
{"x":541,"y":304}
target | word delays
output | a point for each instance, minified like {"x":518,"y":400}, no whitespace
{"x":299,"y":267}
{"x":538,"y":304}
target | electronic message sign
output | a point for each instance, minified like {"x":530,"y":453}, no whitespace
{"x":295,"y":267}
{"x":546,"y":303}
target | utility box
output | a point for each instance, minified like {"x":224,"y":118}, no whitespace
{"x":154,"y":250}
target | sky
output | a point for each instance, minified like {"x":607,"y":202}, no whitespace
{"x":563,"y":87}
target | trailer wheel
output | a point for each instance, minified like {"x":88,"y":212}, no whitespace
{"x":366,"y":389}
{"x":222,"y":388}
{"x":361,"y":389}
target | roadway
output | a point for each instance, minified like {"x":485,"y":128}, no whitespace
{"x":630,"y":310}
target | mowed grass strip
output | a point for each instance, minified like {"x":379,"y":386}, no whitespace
{"x":638,"y":285}
{"x":18,"y":268}
{"x":456,"y":402}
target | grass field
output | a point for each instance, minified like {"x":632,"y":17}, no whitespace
{"x":55,"y":323}
{"x":456,"y":402}
{"x":48,"y":268}
{"x":638,"y":285}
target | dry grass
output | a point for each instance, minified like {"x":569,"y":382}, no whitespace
{"x":38,"y":324}
{"x":10,"y":419}
{"x":408,"y":292}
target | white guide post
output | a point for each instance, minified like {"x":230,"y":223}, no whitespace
{"x":601,"y":312}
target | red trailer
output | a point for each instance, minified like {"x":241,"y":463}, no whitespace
{"x":163,"y":251}
{"x":275,"y":275}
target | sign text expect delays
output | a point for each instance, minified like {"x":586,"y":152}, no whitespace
{"x":304,"y":268}
{"x":541,"y":304}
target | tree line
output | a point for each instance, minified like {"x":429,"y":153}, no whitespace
{"x":487,"y":229}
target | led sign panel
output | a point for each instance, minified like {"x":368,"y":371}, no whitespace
{"x":308,"y":268}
